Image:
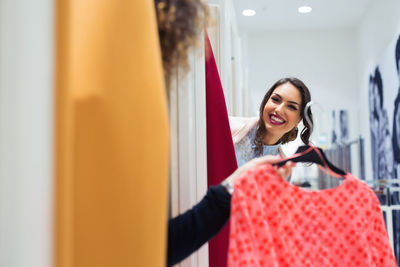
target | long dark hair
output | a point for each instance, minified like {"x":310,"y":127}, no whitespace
{"x":291,"y":135}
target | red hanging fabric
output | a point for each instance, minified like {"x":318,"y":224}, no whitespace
{"x":221,"y":160}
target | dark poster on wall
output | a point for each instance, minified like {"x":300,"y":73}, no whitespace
{"x":384,"y":121}
{"x":340,"y":127}
{"x":384,"y":114}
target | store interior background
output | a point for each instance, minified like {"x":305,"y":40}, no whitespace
{"x":333,"y":50}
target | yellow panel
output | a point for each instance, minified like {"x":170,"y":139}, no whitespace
{"x":111,"y":136}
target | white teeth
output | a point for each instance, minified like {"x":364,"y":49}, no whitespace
{"x":276,"y":119}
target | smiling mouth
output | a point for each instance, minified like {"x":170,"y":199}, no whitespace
{"x":276,"y":120}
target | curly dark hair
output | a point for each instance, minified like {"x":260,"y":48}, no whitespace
{"x":179,"y":23}
{"x":289,"y":136}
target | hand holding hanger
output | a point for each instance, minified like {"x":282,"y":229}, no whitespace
{"x":284,"y":170}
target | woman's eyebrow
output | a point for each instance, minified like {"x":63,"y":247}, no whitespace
{"x":292,"y":102}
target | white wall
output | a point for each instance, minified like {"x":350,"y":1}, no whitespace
{"x":188,"y":162}
{"x":381,"y":24}
{"x":335,"y":64}
{"x":324,"y":60}
{"x":226,"y":20}
{"x":26,"y":94}
{"x":228,"y":54}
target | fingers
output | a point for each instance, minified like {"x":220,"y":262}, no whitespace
{"x":265,"y":159}
{"x":255,"y":162}
{"x":269,"y":159}
{"x":285,"y":170}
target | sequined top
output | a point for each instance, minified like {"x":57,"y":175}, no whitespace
{"x":245,"y":149}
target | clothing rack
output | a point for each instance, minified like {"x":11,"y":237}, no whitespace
{"x":360,"y":142}
{"x":385,"y":189}
{"x":340,"y":155}
{"x":388,"y":194}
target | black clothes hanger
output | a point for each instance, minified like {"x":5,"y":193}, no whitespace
{"x":309,"y":154}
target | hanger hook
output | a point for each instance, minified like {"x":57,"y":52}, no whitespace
{"x":307,"y":118}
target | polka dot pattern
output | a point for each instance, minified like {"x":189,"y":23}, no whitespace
{"x":274,"y":223}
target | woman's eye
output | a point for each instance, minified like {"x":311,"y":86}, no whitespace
{"x":275,"y":99}
{"x":292,"y":107}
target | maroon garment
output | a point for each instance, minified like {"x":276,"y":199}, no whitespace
{"x":221,"y":160}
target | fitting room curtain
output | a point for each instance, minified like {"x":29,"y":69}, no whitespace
{"x":111,"y":134}
{"x":221,"y":160}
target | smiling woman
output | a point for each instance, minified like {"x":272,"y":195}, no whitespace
{"x":281,"y":113}
{"x":281,"y":110}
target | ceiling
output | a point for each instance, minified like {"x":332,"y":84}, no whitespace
{"x":283,"y":14}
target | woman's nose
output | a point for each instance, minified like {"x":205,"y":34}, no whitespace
{"x":279,"y":107}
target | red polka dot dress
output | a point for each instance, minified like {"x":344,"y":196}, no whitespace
{"x":274,"y":223}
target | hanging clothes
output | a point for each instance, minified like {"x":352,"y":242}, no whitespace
{"x":340,"y":156}
{"x":112,"y":136}
{"x":274,"y":223}
{"x":221,"y":161}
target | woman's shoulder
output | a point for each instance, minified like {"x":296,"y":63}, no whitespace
{"x":240,"y":126}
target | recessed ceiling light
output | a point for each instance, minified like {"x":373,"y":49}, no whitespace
{"x":305,"y":9}
{"x":248,"y":12}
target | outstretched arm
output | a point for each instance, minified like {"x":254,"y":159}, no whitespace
{"x":190,"y":230}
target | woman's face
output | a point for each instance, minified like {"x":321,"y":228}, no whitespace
{"x":282,"y":111}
